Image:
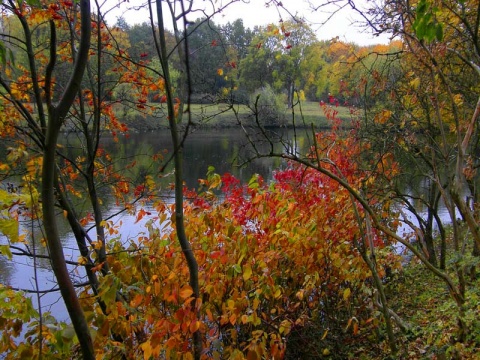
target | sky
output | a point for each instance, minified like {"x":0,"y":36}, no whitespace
{"x":254,"y":12}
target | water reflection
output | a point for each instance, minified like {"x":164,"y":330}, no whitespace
{"x":226,"y":150}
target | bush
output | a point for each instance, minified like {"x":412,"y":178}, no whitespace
{"x":268,"y":107}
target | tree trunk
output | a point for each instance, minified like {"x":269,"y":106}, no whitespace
{"x":56,"y":117}
{"x":178,"y":164}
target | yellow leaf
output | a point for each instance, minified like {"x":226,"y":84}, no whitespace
{"x":247,"y":272}
{"x":415,"y":83}
{"x":256,"y":302}
{"x":4,"y":167}
{"x":346,"y":294}
{"x":9,"y":227}
{"x":188,"y":356}
{"x":147,"y":350}
{"x":277,"y":293}
{"x":231,"y":305}
{"x":220,"y":72}
{"x":458,"y":98}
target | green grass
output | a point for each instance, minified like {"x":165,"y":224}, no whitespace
{"x":304,"y":115}
{"x":423,"y":300}
{"x":224,"y":116}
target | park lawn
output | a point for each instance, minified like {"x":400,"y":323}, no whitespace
{"x":207,"y":116}
{"x":302,"y":115}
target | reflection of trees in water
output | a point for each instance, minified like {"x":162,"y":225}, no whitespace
{"x":6,"y":270}
{"x":226,"y":149}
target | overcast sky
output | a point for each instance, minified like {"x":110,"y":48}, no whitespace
{"x":256,"y":13}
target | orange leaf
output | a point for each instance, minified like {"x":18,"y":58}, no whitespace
{"x":186,"y":292}
{"x":355,"y":329}
{"x":253,"y":355}
{"x":194,"y":326}
{"x":215,"y":254}
{"x":136,"y":301}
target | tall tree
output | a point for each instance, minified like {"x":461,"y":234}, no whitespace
{"x":207,"y":54}
{"x":45,"y":132}
{"x":435,"y":115}
{"x":275,"y":58}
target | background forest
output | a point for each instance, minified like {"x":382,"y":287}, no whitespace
{"x":343,"y":254}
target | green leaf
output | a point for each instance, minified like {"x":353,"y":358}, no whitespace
{"x":9,"y":227}
{"x":68,"y":333}
{"x":237,"y":268}
{"x":253,"y":183}
{"x":439,"y":32}
{"x":420,"y":30}
{"x":5,"y":251}
{"x":3,"y":54}
{"x":108,"y":289}
{"x":421,"y":7}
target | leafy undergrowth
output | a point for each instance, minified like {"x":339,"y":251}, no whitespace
{"x":423,"y":302}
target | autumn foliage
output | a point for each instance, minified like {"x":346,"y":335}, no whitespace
{"x":276,"y":259}
{"x":272,"y":258}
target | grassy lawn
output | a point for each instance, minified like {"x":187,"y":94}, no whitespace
{"x":223,"y":116}
{"x":422,"y":300}
{"x":304,"y":114}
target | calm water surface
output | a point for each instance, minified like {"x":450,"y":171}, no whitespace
{"x":224,"y":149}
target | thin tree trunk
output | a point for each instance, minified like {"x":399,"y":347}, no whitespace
{"x":178,"y":164}
{"x":56,"y":117}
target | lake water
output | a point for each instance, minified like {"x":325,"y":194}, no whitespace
{"x":224,"y":149}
